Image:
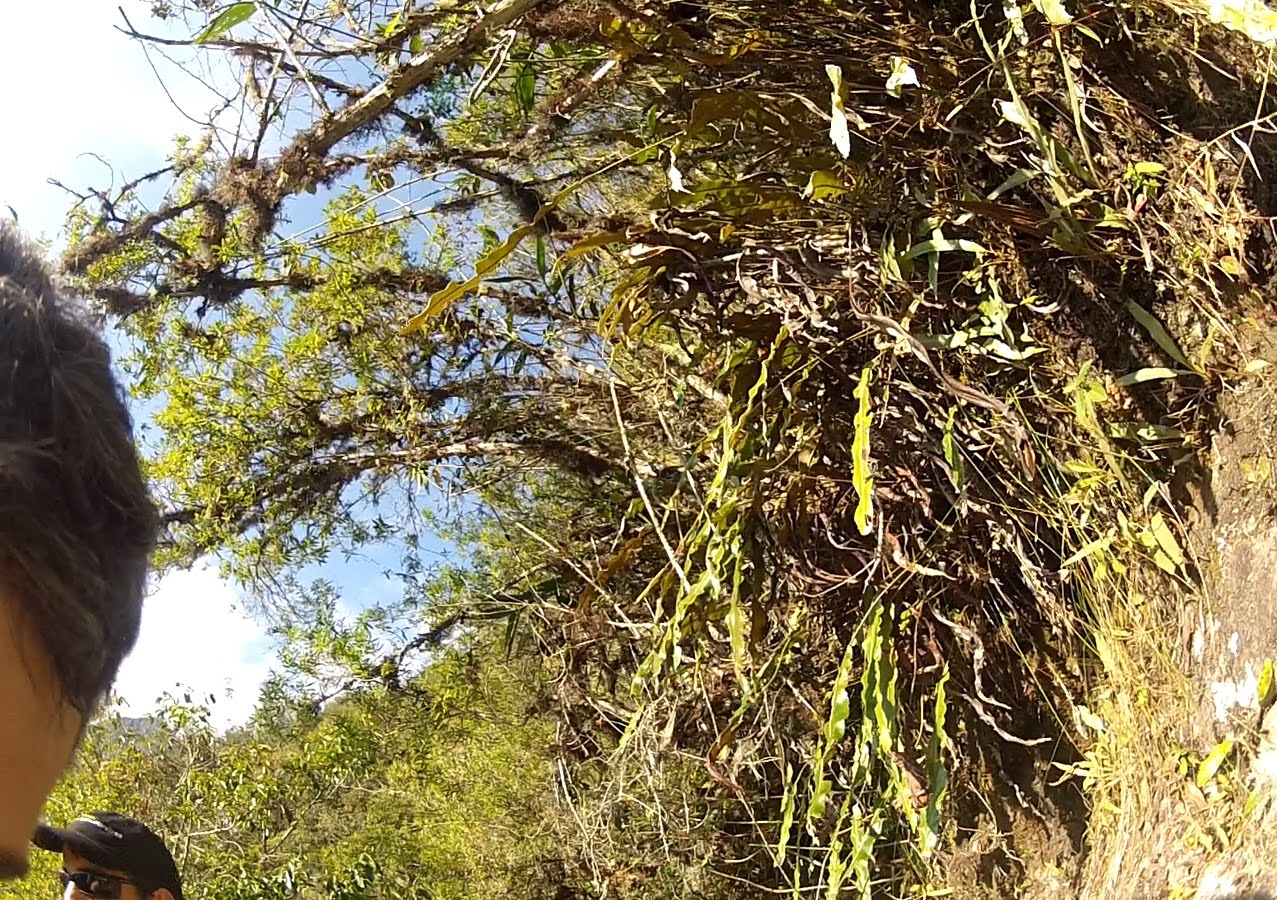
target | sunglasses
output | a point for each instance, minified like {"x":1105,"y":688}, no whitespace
{"x":94,"y":884}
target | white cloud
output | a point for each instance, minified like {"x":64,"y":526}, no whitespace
{"x":196,"y":636}
{"x":75,"y":85}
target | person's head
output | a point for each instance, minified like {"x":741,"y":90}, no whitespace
{"x":107,"y":856}
{"x":77,"y":527}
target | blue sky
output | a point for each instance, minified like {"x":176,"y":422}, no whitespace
{"x":195,"y":633}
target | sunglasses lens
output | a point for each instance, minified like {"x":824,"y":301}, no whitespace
{"x":103,"y":887}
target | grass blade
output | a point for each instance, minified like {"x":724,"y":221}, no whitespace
{"x":1158,"y":334}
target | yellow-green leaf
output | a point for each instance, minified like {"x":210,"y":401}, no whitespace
{"x":1253,"y":18}
{"x":819,"y":802}
{"x":1054,"y":11}
{"x":786,"y":814}
{"x":1094,"y":546}
{"x":235,"y":14}
{"x":823,"y":184}
{"x":1166,"y":539}
{"x":1267,"y":687}
{"x":1211,"y":764}
{"x":861,"y":477}
{"x":443,"y":299}
{"x":736,"y":616}
{"x":593,"y":242}
{"x":952,"y":456}
{"x":1151,"y":373}
{"x":943,"y":245}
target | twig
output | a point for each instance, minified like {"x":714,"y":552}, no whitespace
{"x":1002,"y":733}
{"x":287,"y":49}
{"x":223,"y":44}
{"x":977,"y":660}
{"x":559,"y":553}
{"x":647,"y":503}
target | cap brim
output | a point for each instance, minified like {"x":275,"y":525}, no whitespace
{"x":55,"y":840}
{"x":48,"y":838}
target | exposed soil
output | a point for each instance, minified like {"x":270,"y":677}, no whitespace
{"x":1181,"y":841}
{"x":1232,"y":628}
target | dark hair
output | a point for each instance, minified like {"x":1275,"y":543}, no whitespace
{"x":77,"y":525}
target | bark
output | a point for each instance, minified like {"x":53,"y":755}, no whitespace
{"x":303,"y":165}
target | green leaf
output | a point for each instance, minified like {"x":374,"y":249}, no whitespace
{"x":819,"y":801}
{"x":491,"y":238}
{"x":227,"y":19}
{"x":835,"y":728}
{"x":1017,"y":178}
{"x":937,"y":774}
{"x":387,"y":29}
{"x":1158,"y":333}
{"x":1149,"y":433}
{"x":1012,"y":354}
{"x":878,"y":682}
{"x":787,"y":805}
{"x":952,"y":456}
{"x":1015,"y":112}
{"x":525,"y":88}
{"x":542,"y":264}
{"x":836,"y":866}
{"x":1095,"y":546}
{"x":441,"y":300}
{"x":943,"y":245}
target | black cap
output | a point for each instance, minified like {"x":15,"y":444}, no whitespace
{"x":117,"y":842}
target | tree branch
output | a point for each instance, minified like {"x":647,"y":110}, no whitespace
{"x":329,"y":131}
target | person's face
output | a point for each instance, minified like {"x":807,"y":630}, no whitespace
{"x":71,"y":863}
{"x":38,"y":734}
